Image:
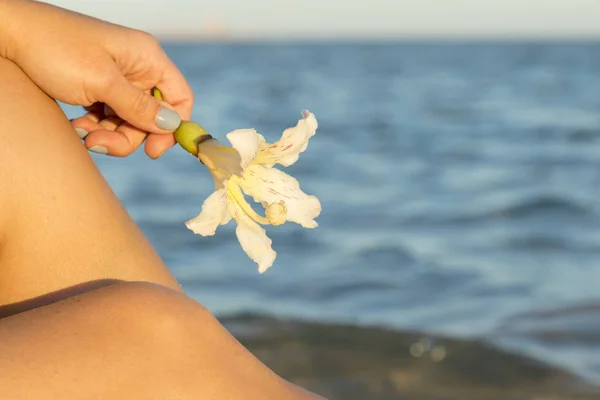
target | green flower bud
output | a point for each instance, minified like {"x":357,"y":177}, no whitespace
{"x":189,"y":134}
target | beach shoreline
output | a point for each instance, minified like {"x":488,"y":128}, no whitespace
{"x":360,"y":362}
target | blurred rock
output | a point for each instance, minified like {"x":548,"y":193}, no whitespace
{"x":369,"y":363}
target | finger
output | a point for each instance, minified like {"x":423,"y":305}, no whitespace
{"x":83,"y":125}
{"x":176,"y":91}
{"x":91,"y":122}
{"x":110,"y":123}
{"x":97,"y":112}
{"x":121,"y":142}
{"x":137,"y":107}
{"x":156,"y":145}
{"x":108,"y":136}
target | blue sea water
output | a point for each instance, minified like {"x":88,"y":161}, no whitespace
{"x":459,"y":185}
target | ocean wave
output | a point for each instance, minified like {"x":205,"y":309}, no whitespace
{"x":541,"y":242}
{"x":552,"y":206}
{"x":578,"y":324}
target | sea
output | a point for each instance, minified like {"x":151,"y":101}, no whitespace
{"x":460,"y":185}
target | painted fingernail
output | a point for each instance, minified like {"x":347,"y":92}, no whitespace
{"x":167,"y":119}
{"x":98,"y":149}
{"x":82,"y":133}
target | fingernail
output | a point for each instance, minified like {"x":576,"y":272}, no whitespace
{"x":98,"y":149}
{"x":82,"y":133}
{"x":167,"y":119}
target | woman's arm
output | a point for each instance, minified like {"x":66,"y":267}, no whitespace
{"x":84,"y":61}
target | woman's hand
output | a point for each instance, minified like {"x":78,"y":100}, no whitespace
{"x":83,"y":61}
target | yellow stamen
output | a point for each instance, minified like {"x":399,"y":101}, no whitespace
{"x":236,"y":193}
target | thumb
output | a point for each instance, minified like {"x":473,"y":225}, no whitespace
{"x":140,"y":109}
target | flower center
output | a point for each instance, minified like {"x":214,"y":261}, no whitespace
{"x":276,"y":213}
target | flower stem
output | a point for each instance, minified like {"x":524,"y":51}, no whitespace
{"x":189,"y":134}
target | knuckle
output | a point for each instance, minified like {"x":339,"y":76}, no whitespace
{"x":147,"y":38}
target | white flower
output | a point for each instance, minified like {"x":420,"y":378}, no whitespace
{"x":247,"y":168}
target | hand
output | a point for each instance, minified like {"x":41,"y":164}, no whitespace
{"x":83,"y":61}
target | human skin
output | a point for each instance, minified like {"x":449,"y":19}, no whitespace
{"x":83,"y":61}
{"x":88,"y":310}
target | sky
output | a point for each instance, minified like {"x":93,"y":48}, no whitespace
{"x":364,"y":19}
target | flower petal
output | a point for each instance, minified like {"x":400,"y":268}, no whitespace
{"x":261,"y":140}
{"x":270,"y":185}
{"x":253,"y":238}
{"x":216,"y":156}
{"x":220,"y":177}
{"x":246,"y":142}
{"x":214,"y":213}
{"x":293,"y":142}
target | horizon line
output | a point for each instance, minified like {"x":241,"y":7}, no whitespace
{"x":203,"y":38}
